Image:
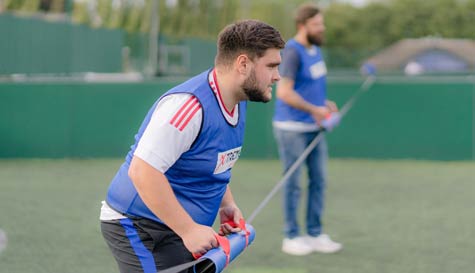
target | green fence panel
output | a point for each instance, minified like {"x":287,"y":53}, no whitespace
{"x":34,"y":121}
{"x":406,"y":120}
{"x":259,"y":139}
{"x":420,"y":120}
{"x":202,"y":54}
{"x":33,"y":45}
{"x":73,"y":119}
{"x":97,"y":50}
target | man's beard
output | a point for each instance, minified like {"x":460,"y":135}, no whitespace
{"x":252,"y":91}
{"x":315,"y":39}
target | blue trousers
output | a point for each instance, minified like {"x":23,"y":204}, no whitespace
{"x":291,"y":145}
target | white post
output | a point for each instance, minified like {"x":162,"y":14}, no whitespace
{"x":151,"y":69}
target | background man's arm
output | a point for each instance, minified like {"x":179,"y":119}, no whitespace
{"x":285,"y":92}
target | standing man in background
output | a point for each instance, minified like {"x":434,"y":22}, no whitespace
{"x":301,"y":107}
{"x":162,"y":202}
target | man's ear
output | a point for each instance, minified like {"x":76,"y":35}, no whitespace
{"x":243,"y":64}
{"x":300,"y":26}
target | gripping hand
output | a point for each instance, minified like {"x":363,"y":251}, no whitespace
{"x":331,"y":121}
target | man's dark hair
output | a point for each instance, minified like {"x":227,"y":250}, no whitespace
{"x":305,"y":12}
{"x":250,"y":37}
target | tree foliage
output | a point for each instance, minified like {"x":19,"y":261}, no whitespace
{"x":380,"y":24}
{"x":350,"y":31}
{"x":370,"y":27}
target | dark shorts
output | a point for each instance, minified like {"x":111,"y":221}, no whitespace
{"x":142,"y":245}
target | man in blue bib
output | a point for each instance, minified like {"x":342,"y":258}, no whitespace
{"x":301,"y":107}
{"x":162,"y":202}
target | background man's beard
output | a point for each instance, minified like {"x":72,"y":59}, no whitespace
{"x":252,"y":91}
{"x":315,"y":40}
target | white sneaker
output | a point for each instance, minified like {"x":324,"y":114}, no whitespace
{"x":296,"y":246}
{"x":323,"y":244}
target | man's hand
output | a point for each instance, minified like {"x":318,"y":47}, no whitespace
{"x":331,"y":121}
{"x":331,"y":105}
{"x":319,"y":113}
{"x":198,"y":239}
{"x":226,"y":214}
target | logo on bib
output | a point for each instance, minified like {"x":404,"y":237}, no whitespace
{"x":226,"y":160}
{"x":318,"y":70}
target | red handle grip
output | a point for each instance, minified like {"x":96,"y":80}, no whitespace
{"x":223,"y":242}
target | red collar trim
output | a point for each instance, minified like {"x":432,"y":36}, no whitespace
{"x":214,"y":85}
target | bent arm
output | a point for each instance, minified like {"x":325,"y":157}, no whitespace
{"x":285,"y":91}
{"x":156,"y":192}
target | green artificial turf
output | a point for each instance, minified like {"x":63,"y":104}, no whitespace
{"x":393,"y":216}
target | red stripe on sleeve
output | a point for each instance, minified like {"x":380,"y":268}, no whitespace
{"x":191,"y":99}
{"x":198,"y":107}
{"x":188,"y":109}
